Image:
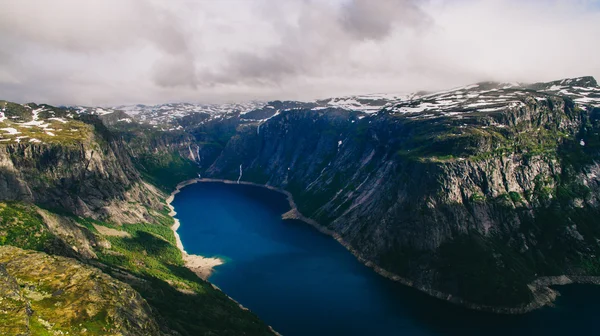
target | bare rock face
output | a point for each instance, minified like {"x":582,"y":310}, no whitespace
{"x":470,"y":194}
{"x":476,"y":204}
{"x":93,"y":177}
{"x":60,"y":295}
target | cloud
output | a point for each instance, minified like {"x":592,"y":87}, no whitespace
{"x":376,"y":19}
{"x":128,"y":51}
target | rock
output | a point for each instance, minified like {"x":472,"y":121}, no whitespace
{"x":67,"y":296}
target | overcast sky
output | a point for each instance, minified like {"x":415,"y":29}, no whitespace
{"x":111,"y":52}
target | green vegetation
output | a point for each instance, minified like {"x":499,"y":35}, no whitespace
{"x":515,"y":197}
{"x":22,"y":226}
{"x":484,"y":270}
{"x":71,"y":132}
{"x":481,"y":136}
{"x":150,"y":251}
{"x":147,"y":259}
{"x":67,"y":297}
{"x":166,"y":169}
{"x":190,"y":305}
{"x":16,"y":112}
{"x":477,"y":198}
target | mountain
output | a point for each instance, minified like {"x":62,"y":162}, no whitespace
{"x":482,"y":97}
{"x":482,"y":195}
{"x":469,"y":194}
{"x":71,"y":187}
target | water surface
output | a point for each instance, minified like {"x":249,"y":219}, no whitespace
{"x":303,"y":282}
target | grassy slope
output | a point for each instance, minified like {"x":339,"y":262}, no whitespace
{"x":67,"y":297}
{"x":151,"y":263}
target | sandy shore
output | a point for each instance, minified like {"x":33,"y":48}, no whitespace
{"x":200,"y":265}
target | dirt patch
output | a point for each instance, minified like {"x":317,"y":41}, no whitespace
{"x":111,"y":232}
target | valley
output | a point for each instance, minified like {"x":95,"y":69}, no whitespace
{"x":470,"y":195}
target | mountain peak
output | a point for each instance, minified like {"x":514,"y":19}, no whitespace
{"x":584,"y":82}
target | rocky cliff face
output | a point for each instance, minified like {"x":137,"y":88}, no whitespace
{"x":71,"y":187}
{"x":469,"y":194}
{"x":476,"y":205}
{"x":91,"y":176}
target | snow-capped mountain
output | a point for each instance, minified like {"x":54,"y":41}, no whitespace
{"x":481,"y":97}
{"x":370,"y":103}
{"x":494,"y":97}
{"x":167,"y":114}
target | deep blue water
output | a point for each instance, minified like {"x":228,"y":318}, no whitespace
{"x":302,"y":282}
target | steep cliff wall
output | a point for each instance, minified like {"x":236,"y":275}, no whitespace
{"x":91,"y":176}
{"x":476,"y":206}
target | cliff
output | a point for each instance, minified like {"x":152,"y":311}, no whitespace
{"x":70,"y":187}
{"x":472,"y":207}
{"x":482,"y":196}
{"x":89,"y":174}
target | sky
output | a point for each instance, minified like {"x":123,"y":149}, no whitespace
{"x":113,"y":52}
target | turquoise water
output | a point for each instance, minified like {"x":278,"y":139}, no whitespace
{"x":302,"y":282}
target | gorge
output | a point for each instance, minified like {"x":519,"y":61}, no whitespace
{"x":482,"y":196}
{"x":272,"y":264}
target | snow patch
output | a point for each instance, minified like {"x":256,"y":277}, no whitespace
{"x":10,"y":130}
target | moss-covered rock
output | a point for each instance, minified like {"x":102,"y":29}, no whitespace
{"x":60,"y":295}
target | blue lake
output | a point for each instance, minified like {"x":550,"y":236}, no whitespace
{"x":303,"y":282}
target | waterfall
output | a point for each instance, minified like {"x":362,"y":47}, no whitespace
{"x":191,"y":153}
{"x":239,"y":178}
{"x":198,"y":154}
{"x":258,"y":129}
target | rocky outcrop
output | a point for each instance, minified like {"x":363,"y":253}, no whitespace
{"x":92,"y":178}
{"x":476,"y":206}
{"x":16,"y":309}
{"x":471,"y":206}
{"x":61,"y":296}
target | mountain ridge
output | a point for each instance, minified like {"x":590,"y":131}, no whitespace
{"x":474,"y":192}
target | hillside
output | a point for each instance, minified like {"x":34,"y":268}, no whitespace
{"x":474,"y":195}
{"x":475,"y":192}
{"x":88,"y":198}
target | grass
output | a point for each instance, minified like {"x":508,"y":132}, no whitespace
{"x":189,"y":305}
{"x":67,"y":297}
{"x":72,"y":132}
{"x":183,"y":301}
{"x":22,"y":226}
{"x":477,"y":198}
{"x":166,"y":169}
{"x":15,"y":112}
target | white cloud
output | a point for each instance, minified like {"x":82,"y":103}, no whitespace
{"x":130,"y":51}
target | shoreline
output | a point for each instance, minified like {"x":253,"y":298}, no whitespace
{"x":202,"y":266}
{"x":543,"y":295}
